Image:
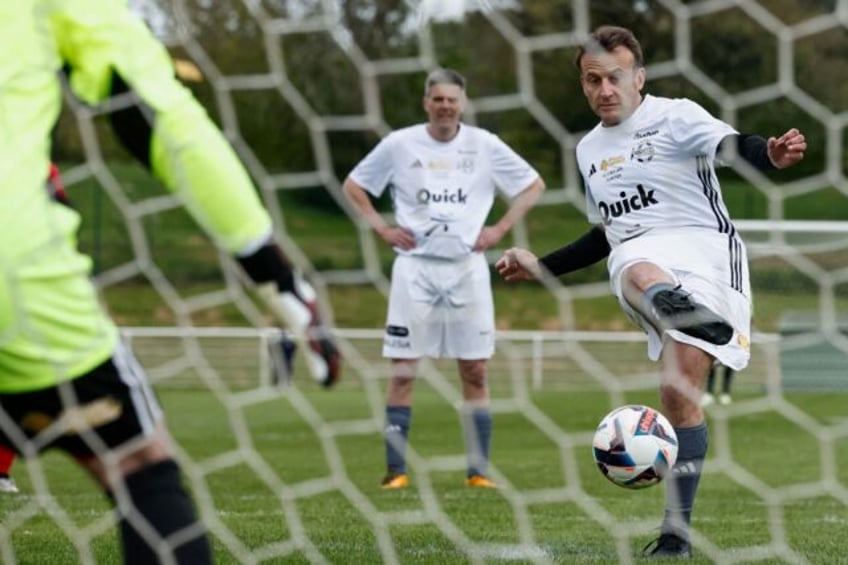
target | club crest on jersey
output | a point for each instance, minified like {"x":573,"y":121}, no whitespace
{"x":643,"y":152}
{"x":466,"y":165}
{"x":643,"y":198}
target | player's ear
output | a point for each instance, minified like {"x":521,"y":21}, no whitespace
{"x":641,"y":76}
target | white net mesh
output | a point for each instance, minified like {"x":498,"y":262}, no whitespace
{"x":321,"y":72}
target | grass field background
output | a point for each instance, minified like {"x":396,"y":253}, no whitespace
{"x":315,"y":488}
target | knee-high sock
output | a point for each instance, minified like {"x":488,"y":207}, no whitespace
{"x":683,"y":479}
{"x":648,"y":298}
{"x":161,"y":504}
{"x":477,"y":424}
{"x":396,"y":436}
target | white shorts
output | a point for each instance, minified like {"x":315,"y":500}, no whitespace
{"x":440,"y":309}
{"x":713,"y":268}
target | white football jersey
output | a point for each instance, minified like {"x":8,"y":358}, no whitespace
{"x":655,"y":171}
{"x":443,"y":191}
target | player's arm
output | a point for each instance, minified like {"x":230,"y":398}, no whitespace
{"x":526,"y":199}
{"x":519,"y":264}
{"x":396,"y":236}
{"x":110,"y":52}
{"x":769,"y":154}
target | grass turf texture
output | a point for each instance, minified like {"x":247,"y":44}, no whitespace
{"x":437,"y":519}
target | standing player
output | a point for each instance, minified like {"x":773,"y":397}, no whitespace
{"x":676,"y":262}
{"x":444,"y":176}
{"x":66,"y":380}
{"x":726,"y":381}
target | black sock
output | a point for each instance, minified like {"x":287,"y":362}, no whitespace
{"x":684,"y":478}
{"x":159,"y":501}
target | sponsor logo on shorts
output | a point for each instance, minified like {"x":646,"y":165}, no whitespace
{"x":77,"y":419}
{"x":397,"y":331}
{"x":397,"y":343}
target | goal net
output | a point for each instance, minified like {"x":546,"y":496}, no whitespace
{"x":283,"y":472}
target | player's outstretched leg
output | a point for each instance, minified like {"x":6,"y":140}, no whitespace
{"x":673,"y":308}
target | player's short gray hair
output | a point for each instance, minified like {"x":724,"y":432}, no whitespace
{"x":443,"y":76}
{"x":606,"y":39}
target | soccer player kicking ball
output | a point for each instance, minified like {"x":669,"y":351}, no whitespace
{"x":443,"y":177}
{"x":676,"y":262}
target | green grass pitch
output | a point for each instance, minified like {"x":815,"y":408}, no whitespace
{"x":293,"y":476}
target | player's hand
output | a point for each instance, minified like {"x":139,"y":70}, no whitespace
{"x":788,"y":149}
{"x":489,"y":236}
{"x":397,"y":236}
{"x":518,"y":264}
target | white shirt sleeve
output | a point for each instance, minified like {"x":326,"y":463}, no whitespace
{"x":696,"y":131}
{"x":374,"y":172}
{"x":511,"y":173}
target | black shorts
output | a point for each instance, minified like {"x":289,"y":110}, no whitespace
{"x":104,"y":408}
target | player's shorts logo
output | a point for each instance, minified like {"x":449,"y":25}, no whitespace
{"x":397,"y":331}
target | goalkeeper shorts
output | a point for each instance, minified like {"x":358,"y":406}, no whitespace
{"x":105,"y":408}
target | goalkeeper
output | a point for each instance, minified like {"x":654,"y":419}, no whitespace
{"x":66,"y":380}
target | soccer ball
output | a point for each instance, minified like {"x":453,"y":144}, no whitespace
{"x":635,"y":446}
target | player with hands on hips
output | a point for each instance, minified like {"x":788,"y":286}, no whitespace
{"x":444,"y":176}
{"x":676,"y":262}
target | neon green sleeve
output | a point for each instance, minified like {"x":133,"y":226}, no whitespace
{"x":188,"y":152}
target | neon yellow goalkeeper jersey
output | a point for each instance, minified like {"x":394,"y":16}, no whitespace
{"x":51,"y":327}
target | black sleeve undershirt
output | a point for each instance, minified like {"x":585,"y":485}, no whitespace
{"x":752,"y":148}
{"x":590,"y":248}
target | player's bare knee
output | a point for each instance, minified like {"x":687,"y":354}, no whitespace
{"x":641,"y":275}
{"x":681,"y":402}
{"x":473,"y":373}
{"x":400,"y":390}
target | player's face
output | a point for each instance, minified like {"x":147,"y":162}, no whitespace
{"x":612,"y":84}
{"x":444,"y":105}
